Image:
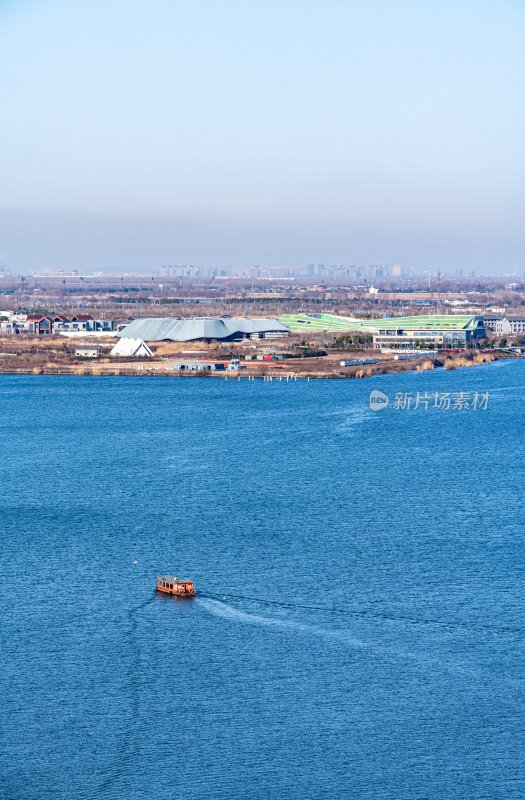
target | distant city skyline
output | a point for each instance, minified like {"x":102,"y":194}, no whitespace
{"x":284,"y":133}
{"x":341,"y":273}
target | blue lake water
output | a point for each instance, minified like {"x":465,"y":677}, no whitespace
{"x":359,"y":632}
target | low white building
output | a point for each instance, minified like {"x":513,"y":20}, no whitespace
{"x":512,"y":325}
{"x":86,"y":352}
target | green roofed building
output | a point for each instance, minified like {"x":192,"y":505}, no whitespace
{"x":444,"y":331}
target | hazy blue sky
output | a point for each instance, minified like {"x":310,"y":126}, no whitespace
{"x":140,"y":133}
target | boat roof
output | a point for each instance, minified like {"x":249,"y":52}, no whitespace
{"x":172,"y":579}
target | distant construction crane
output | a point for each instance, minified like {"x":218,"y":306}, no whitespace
{"x":438,"y":278}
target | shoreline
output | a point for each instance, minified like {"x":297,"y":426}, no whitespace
{"x":275,"y":371}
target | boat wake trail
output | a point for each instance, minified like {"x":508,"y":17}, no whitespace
{"x":126,"y":741}
{"x":222,"y":609}
{"x":423,"y":658}
{"x":364,"y":613}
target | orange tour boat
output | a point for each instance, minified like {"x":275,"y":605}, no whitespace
{"x":170,"y":584}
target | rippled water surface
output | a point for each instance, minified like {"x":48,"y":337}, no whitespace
{"x":359,"y":627}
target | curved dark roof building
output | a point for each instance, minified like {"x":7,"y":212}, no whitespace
{"x":177,"y":329}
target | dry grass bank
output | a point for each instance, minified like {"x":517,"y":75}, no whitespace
{"x":56,"y":355}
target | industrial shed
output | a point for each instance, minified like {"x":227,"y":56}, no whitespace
{"x":176,"y":329}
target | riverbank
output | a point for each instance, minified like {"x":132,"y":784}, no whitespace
{"x":54,"y":357}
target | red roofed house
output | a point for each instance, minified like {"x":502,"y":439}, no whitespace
{"x":82,"y":318}
{"x":36,"y":323}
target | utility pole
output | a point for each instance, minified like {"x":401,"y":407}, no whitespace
{"x":438,"y":277}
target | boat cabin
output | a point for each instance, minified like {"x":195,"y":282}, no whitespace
{"x":173,"y":585}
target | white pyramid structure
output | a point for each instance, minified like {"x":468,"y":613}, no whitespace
{"x":131,"y":348}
